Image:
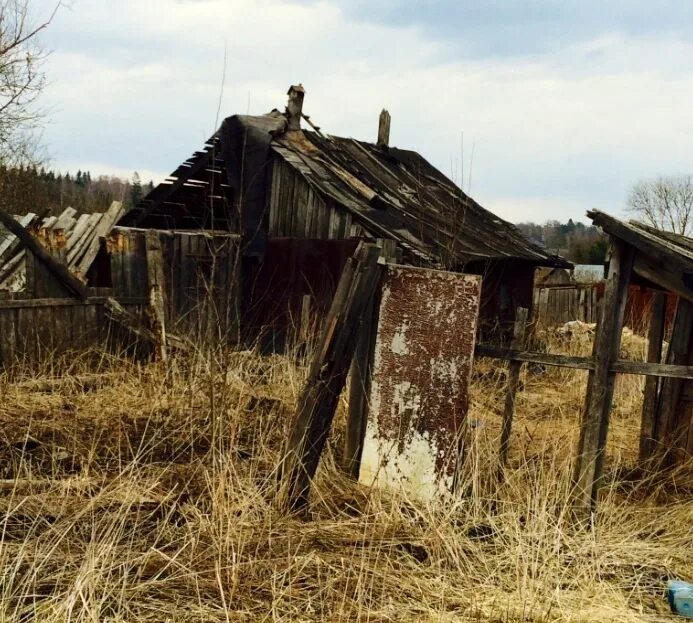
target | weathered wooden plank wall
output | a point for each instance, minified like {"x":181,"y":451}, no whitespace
{"x":39,"y":329}
{"x":201,"y":296}
{"x":297,"y":211}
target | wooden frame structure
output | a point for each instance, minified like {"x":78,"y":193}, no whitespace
{"x":663,"y":261}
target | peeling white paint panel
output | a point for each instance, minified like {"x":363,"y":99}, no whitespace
{"x":421,"y":369}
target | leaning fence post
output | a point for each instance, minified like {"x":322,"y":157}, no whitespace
{"x":327,"y":375}
{"x":600,"y":385}
{"x":513,"y":381}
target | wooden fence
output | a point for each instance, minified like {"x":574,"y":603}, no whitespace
{"x":200,"y":296}
{"x":555,"y":305}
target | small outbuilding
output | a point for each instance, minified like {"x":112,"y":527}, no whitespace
{"x":300,"y":199}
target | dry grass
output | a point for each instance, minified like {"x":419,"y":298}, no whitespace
{"x":148,"y":496}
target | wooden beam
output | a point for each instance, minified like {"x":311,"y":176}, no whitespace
{"x":132,"y":323}
{"x":620,"y":366}
{"x":654,"y":355}
{"x":666,"y":425}
{"x":156,"y":285}
{"x":665,"y":275}
{"x":327,"y":374}
{"x":600,"y":386}
{"x":513,"y":381}
{"x":60,"y":271}
{"x":359,"y":390}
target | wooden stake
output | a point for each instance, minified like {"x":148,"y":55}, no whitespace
{"x":600,"y":386}
{"x":155,"y":283}
{"x":359,"y":390}
{"x":513,"y":381}
{"x":654,"y":355}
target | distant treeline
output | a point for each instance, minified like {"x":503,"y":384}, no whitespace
{"x":40,"y":190}
{"x":577,"y":242}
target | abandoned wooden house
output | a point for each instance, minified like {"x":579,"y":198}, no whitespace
{"x":301,"y":199}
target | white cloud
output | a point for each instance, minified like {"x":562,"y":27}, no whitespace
{"x":134,"y":85}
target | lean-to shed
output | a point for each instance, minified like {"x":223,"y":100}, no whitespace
{"x":300,"y":199}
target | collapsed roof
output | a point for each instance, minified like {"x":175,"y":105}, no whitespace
{"x":391,"y":193}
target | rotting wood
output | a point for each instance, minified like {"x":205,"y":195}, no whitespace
{"x":116,"y":312}
{"x":59,"y":302}
{"x":512,"y":384}
{"x":600,"y":386}
{"x":327,"y":374}
{"x":359,"y":376}
{"x":106,"y":222}
{"x":156,"y":284}
{"x":11,"y":242}
{"x":60,"y":271}
{"x":667,"y":427}
{"x":654,"y":355}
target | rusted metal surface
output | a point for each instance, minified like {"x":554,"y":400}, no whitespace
{"x":421,"y":369}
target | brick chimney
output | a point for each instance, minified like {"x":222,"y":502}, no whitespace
{"x":295,"y":106}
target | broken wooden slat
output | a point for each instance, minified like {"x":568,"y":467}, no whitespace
{"x":81,"y":245}
{"x":116,"y":312}
{"x":60,"y":271}
{"x":327,"y":374}
{"x":654,"y":355}
{"x":8,"y":247}
{"x":513,"y":381}
{"x":106,"y":223}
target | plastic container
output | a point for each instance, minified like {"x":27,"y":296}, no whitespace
{"x":680,"y":598}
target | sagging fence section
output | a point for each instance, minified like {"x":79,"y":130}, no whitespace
{"x":188,"y":279}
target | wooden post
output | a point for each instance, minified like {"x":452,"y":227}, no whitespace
{"x":384,"y":129}
{"x":654,"y":355}
{"x":513,"y":381}
{"x":327,"y":374}
{"x":359,"y":390}
{"x":600,"y":386}
{"x":155,"y":283}
{"x":60,"y":271}
{"x":666,"y":427}
{"x":360,"y":374}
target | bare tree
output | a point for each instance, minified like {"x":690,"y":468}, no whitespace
{"x":665,"y":203}
{"x":21,"y":78}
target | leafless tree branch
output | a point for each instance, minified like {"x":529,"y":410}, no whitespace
{"x":665,"y":203}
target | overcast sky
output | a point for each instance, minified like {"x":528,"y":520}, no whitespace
{"x":563,"y":104}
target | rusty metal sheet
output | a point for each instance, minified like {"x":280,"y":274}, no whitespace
{"x":420,"y":378}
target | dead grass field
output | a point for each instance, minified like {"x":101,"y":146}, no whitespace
{"x":145,"y":493}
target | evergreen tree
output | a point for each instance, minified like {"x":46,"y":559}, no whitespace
{"x":135,"y":189}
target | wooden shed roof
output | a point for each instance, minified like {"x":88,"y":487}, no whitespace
{"x":662,"y":258}
{"x":392,"y":193}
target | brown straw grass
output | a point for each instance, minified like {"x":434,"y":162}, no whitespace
{"x":145,"y":493}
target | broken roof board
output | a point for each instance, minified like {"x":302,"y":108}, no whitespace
{"x":392,"y":193}
{"x":663,"y":258}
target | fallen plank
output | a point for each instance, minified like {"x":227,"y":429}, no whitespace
{"x":131,"y":322}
